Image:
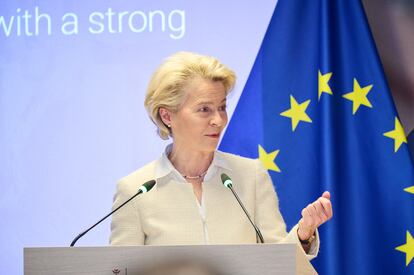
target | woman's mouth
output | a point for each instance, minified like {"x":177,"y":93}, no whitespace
{"x":213,"y":135}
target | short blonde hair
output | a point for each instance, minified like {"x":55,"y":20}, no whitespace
{"x":165,"y":88}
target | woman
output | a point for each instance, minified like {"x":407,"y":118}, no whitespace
{"x":186,"y":99}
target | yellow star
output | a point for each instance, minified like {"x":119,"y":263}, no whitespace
{"x":397,"y":135}
{"x":358,"y":96}
{"x":409,"y":189}
{"x":323,"y":86}
{"x":407,"y":248}
{"x":297,"y":112}
{"x":268,"y":159}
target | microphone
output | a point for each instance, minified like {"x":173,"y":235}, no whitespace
{"x":142,"y":189}
{"x":227,"y":182}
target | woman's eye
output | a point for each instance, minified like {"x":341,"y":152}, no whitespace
{"x":223,"y":108}
{"x":204,"y":109}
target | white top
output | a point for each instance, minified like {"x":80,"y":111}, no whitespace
{"x":166,"y":168}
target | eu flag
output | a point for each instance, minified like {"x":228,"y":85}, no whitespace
{"x":317,"y":111}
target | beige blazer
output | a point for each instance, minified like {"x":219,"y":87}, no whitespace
{"x":169,"y":214}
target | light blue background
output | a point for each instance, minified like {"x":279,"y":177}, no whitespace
{"x":72,"y":119}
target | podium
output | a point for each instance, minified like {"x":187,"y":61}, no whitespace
{"x":244,"y":259}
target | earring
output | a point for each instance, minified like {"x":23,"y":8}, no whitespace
{"x":169,"y":125}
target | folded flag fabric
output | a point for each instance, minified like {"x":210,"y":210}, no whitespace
{"x":317,"y":111}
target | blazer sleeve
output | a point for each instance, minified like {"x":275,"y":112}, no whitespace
{"x":268,"y":217}
{"x":126,"y":226}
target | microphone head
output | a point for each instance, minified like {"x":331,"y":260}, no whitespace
{"x":146,"y":186}
{"x":226,"y":181}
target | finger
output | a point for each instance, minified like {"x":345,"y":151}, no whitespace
{"x":317,"y":220}
{"x":327,"y":206}
{"x":326,"y":195}
{"x":307,"y":218}
{"x":313,"y":215}
{"x":321,"y":211}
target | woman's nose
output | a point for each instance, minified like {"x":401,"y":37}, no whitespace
{"x":218,"y":119}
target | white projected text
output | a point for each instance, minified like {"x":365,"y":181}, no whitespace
{"x":36,"y":22}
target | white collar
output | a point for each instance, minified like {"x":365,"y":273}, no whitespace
{"x":164,"y":167}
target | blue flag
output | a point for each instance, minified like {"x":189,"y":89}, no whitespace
{"x":317,"y":111}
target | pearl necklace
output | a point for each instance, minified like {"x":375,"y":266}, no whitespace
{"x":195,"y":177}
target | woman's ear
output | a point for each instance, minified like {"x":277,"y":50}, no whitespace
{"x":165,"y":116}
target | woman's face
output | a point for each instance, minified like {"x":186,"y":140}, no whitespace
{"x":201,"y":118}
